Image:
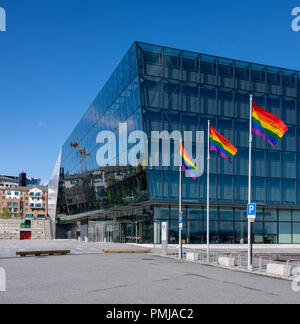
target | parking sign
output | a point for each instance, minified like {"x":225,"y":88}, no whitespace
{"x":252,"y":212}
{"x":181,"y":220}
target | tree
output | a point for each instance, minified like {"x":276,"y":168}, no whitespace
{"x":6,"y":214}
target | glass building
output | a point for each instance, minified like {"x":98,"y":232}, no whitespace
{"x":157,"y":88}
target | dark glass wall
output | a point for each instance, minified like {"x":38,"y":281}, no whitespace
{"x":84,"y":185}
{"x":157,"y":88}
{"x":182,"y":90}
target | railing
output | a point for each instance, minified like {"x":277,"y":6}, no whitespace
{"x":260,"y":262}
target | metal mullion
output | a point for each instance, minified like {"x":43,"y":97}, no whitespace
{"x":181,"y":79}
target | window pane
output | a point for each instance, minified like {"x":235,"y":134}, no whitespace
{"x":271,"y":233}
{"x":289,"y":140}
{"x":241,"y":232}
{"x":225,"y":185}
{"x":195,"y":214}
{"x":161,"y":213}
{"x":191,"y":66}
{"x":213,"y":214}
{"x":155,"y":185}
{"x":242,"y":133}
{"x":191,"y":97}
{"x":298,"y":192}
{"x":214,"y":233}
{"x":242,"y":75}
{"x":242,"y":104}
{"x":285,"y":233}
{"x":195,"y":233}
{"x":259,"y":78}
{"x":171,"y":186}
{"x":258,"y":233}
{"x":209,"y":101}
{"x":226,"y":214}
{"x":274,"y":80}
{"x":274,"y":164}
{"x":289,"y":83}
{"x":289,"y":165}
{"x":289,"y":192}
{"x":172,"y":95}
{"x":226,"y":103}
{"x":274,"y":105}
{"x":242,"y":162}
{"x":274,"y":191}
{"x":296,"y":215}
{"x":190,"y":189}
{"x":289,"y":108}
{"x":241,"y":189}
{"x":285,"y":215}
{"x":226,"y":232}
{"x":259,"y":163}
{"x":270,"y":215}
{"x":151,"y":89}
{"x":174,"y":231}
{"x":225,"y":73}
{"x":259,"y":190}
{"x":172,"y":61}
{"x":208,"y":69}
{"x":241,"y":214}
{"x":213,"y":188}
{"x":296,"y":233}
{"x":150,"y":59}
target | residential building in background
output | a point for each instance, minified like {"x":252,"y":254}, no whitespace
{"x":24,"y":202}
{"x":164,"y":89}
{"x":7,"y":182}
{"x":24,"y":213}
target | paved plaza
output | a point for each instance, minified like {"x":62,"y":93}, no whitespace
{"x":8,"y":249}
{"x":90,"y":276}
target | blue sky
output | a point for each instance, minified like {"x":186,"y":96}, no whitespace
{"x":57,"y":54}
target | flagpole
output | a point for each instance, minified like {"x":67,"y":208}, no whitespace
{"x":250,"y":266}
{"x":208,"y":193}
{"x":180,"y":205}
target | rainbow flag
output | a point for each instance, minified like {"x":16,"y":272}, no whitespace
{"x":266,"y":125}
{"x":187,"y":164}
{"x":221,"y":145}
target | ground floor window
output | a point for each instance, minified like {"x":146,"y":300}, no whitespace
{"x":227,"y":226}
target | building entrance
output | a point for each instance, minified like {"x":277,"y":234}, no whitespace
{"x":132,"y":232}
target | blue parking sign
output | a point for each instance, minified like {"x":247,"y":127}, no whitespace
{"x":252,"y":210}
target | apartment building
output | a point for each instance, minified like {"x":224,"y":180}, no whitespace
{"x":24,"y":202}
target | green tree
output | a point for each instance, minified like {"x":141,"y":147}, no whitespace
{"x":6,"y":214}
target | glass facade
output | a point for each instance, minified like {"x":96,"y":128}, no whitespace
{"x":162,"y":89}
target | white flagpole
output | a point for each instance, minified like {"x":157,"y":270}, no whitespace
{"x":250,"y":266}
{"x":180,"y":205}
{"x":208,"y":192}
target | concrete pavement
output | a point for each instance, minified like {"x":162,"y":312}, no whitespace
{"x":133,"y":279}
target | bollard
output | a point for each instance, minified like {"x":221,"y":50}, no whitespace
{"x":260,"y":264}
